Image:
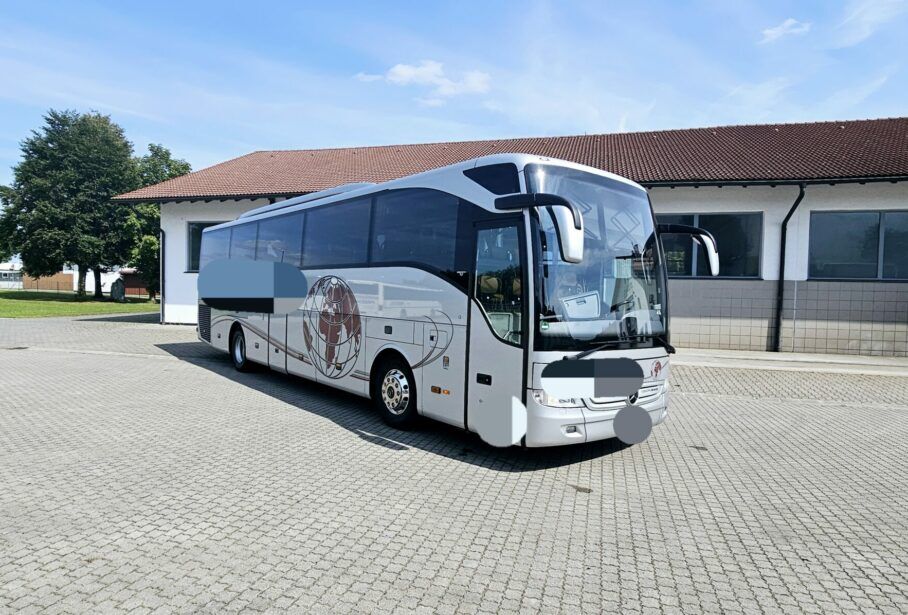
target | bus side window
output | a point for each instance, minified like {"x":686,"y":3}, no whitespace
{"x":215,"y":245}
{"x":280,"y":239}
{"x":416,"y":225}
{"x":242,"y":241}
{"x":498,"y":280}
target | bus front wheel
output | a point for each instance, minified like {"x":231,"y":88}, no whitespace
{"x":394,"y":393}
{"x":238,"y":351}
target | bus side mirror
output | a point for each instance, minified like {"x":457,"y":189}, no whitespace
{"x":568,"y":219}
{"x":703,"y":238}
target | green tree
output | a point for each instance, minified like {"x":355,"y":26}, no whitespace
{"x":58,"y":209}
{"x":155,"y":167}
{"x":146,"y":260}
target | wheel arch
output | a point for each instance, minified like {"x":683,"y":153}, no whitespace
{"x":236,"y":326}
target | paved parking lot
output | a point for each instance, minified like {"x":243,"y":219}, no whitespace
{"x":139,"y":472}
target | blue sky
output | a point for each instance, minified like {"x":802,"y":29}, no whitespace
{"x":214,"y":80}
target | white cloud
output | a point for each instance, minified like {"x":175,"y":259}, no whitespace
{"x":865,"y":17}
{"x":788,"y":27}
{"x":431,"y":74}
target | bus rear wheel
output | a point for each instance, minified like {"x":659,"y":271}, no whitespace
{"x":394,"y":393}
{"x":238,"y":351}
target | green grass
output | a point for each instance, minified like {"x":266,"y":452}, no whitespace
{"x":39,"y":304}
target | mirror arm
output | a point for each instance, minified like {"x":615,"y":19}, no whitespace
{"x":538,"y":199}
{"x":683,"y":229}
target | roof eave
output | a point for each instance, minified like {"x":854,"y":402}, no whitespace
{"x":206,"y":197}
{"x":697,"y":183}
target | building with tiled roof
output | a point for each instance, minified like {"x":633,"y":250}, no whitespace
{"x":838,"y":189}
{"x":727,"y":154}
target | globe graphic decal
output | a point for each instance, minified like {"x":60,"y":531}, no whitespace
{"x":332,"y":327}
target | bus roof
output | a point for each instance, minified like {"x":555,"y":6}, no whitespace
{"x":351,"y":191}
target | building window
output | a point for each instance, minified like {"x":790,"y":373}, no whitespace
{"x":195,"y":243}
{"x":679,"y":249}
{"x":739,"y":238}
{"x":864,"y":245}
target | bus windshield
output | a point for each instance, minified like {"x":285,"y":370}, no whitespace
{"x":617,"y":292}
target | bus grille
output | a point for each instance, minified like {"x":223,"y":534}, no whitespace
{"x":647,"y":393}
{"x":205,"y":322}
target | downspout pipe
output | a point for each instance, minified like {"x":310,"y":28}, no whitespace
{"x":161,"y":273}
{"x":780,"y":288}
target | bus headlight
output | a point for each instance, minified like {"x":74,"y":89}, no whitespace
{"x":545,"y":399}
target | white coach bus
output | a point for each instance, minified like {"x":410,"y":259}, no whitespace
{"x":445,"y":294}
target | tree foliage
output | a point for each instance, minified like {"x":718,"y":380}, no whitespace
{"x":146,"y":260}
{"x":58,"y":209}
{"x":155,"y":167}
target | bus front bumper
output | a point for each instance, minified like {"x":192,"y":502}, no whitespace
{"x":549,"y":426}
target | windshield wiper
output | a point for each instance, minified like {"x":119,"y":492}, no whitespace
{"x":658,"y":339}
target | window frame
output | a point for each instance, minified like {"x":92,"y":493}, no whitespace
{"x":198,"y":259}
{"x":695,"y":250}
{"x":881,"y":242}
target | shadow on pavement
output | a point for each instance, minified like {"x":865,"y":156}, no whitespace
{"x":355,"y":414}
{"x":141,"y":317}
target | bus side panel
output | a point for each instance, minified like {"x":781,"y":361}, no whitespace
{"x":220,"y":329}
{"x":441,"y":394}
{"x":298,"y":362}
{"x":255,"y":327}
{"x":277,"y":342}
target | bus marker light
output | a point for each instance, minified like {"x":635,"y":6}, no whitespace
{"x":436,"y":389}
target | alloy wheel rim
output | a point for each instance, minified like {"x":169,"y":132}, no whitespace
{"x":239,"y":350}
{"x":395,"y":392}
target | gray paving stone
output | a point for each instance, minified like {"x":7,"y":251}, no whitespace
{"x":139,"y":471}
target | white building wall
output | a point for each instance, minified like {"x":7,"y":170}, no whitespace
{"x":775,"y":203}
{"x":874,"y":196}
{"x":180,"y":292}
{"x":107,"y":278}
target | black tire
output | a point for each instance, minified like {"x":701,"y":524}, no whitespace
{"x":238,"y":351}
{"x":394,"y":393}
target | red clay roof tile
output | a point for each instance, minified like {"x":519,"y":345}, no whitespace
{"x":780,"y":152}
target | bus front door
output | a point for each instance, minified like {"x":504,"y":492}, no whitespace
{"x":497,"y":322}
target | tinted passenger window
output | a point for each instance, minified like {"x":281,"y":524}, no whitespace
{"x":496,"y":178}
{"x":215,"y":245}
{"x":242,"y":241}
{"x":337,"y":234}
{"x":280,"y":239}
{"x":418,"y":226}
{"x":499,"y":280}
